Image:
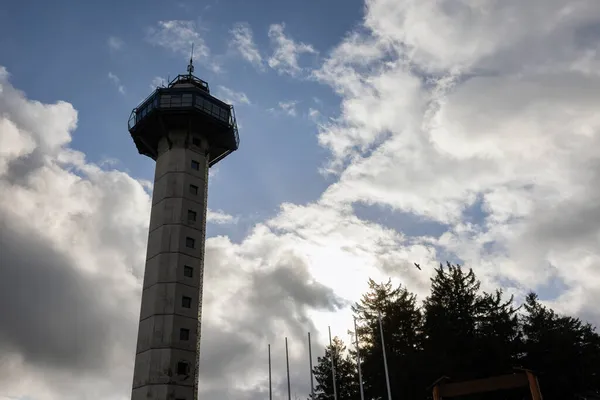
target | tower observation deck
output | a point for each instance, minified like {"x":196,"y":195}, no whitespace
{"x":186,"y":131}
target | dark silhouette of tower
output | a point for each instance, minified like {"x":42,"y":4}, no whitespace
{"x":186,"y":131}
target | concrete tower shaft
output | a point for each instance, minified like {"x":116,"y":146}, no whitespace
{"x":166,"y":362}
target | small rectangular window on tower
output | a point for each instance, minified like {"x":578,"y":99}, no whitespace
{"x":186,"y":302}
{"x":188,"y":271}
{"x":184,"y":334}
{"x":195,"y":165}
{"x":192,"y":216}
{"x":194,"y":190}
{"x":190,"y":242}
{"x":183,"y":368}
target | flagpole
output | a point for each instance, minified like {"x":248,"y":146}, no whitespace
{"x":270,"y":383}
{"x":332,"y":365}
{"x":360,"y":381}
{"x":387,"y":376}
{"x":287,"y":361}
{"x":312,"y":386}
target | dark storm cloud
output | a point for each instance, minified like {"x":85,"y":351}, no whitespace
{"x":50,"y":313}
{"x":273,"y":303}
{"x":570,"y":224}
{"x":288,"y":292}
{"x":294,"y":281}
{"x":20,"y":169}
{"x":221,"y":350}
{"x":574,"y":221}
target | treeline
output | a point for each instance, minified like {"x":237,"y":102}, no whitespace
{"x":460,"y":332}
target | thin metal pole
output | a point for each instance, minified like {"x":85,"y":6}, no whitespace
{"x":387,"y":376}
{"x":332,"y":365}
{"x":287,"y":361}
{"x":312,"y":386}
{"x":360,"y":381}
{"x":270,"y":382}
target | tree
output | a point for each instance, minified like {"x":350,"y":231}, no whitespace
{"x":464,"y":333}
{"x":498,"y":338}
{"x":346,"y":376}
{"x":564,"y":351}
{"x":450,"y":322}
{"x":401,"y":320}
{"x":468,"y":333}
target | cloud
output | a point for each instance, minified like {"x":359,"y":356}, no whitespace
{"x":73,"y":254}
{"x":286,"y":53}
{"x":288,"y":107}
{"x":115,"y":44}
{"x":480,"y":117}
{"x":81,"y":302}
{"x":219,"y":217}
{"x":158,"y":81}
{"x":178,"y":36}
{"x":465,"y":114}
{"x":242,"y":41}
{"x":69,"y":326}
{"x":314,"y":115}
{"x":232,"y":97}
{"x":117,"y":82}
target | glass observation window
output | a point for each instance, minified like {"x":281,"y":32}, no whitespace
{"x":175,"y":100}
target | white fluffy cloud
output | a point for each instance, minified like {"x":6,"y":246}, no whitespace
{"x":178,"y":37}
{"x":230,"y":96}
{"x":219,"y":217}
{"x":288,"y":107}
{"x":117,"y":82}
{"x":286,"y":51}
{"x":454,"y":105}
{"x":242,"y":41}
{"x":158,"y":81}
{"x":59,"y":289}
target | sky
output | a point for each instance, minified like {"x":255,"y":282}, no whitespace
{"x":373,"y":135}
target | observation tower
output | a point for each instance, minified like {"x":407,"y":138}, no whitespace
{"x":186,"y":131}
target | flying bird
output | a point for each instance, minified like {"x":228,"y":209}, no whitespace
{"x":418,"y":266}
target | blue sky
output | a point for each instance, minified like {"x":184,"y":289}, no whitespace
{"x":374,"y":134}
{"x":63,"y":54}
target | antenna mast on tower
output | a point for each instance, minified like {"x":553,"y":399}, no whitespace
{"x":190,"y":67}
